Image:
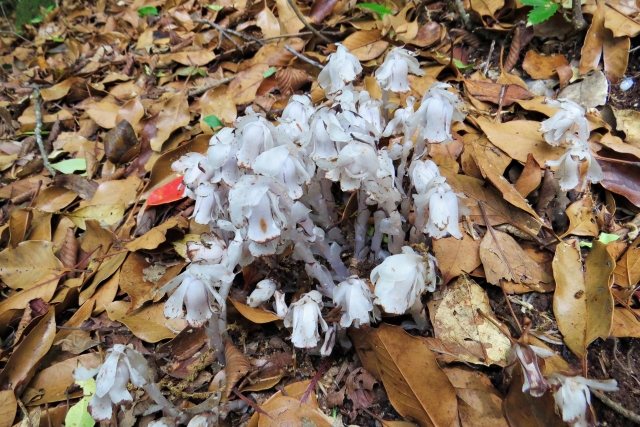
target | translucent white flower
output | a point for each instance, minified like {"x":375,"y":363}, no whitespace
{"x":262,"y":293}
{"x":525,"y":355}
{"x":208,"y":205}
{"x":326,"y":135}
{"x":342,"y":68}
{"x":210,"y":250}
{"x":394,"y":72}
{"x":443,"y":215}
{"x":570,"y":121}
{"x":422,"y":173}
{"x":354,"y":296}
{"x":400,"y":122}
{"x":280,"y":306}
{"x":221,"y":155}
{"x":122,"y":364}
{"x":355,"y":161}
{"x":256,"y":135}
{"x":573,"y":397}
{"x":294,"y":122}
{"x":369,"y":110}
{"x":283,"y":164}
{"x":401,"y":279}
{"x":329,"y":340}
{"x":195,"y":167}
{"x":204,"y":419}
{"x":576,"y":166}
{"x":303,"y":317}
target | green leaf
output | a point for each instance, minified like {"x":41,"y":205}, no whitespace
{"x":461,"y":66}
{"x":270,"y":72}
{"x":542,"y":13}
{"x":376,"y":8}
{"x":586,"y":244}
{"x":212,"y":121}
{"x":147,"y":71}
{"x":536,"y":3}
{"x":57,"y":39}
{"x":71,"y":165}
{"x":147,"y":10}
{"x":78,"y":415}
{"x":607,"y":238}
{"x":215,"y":7}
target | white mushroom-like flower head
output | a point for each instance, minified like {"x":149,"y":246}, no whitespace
{"x":443,"y":209}
{"x":223,"y":148}
{"x":123,"y":364}
{"x":256,"y":135}
{"x":355,"y":298}
{"x":394,"y":72}
{"x":304,"y":316}
{"x":526,"y":356}
{"x":210,"y":250}
{"x":195,"y":167}
{"x":342,"y":68}
{"x":577,"y":166}
{"x":262,"y":293}
{"x":569,"y":121}
{"x":283,"y":164}
{"x":401,"y":279}
{"x":422,"y":174}
{"x":573,"y":397}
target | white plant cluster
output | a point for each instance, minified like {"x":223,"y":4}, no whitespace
{"x":263,"y":187}
{"x":569,"y":127}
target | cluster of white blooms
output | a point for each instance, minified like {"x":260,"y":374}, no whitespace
{"x":570,"y":392}
{"x":570,"y":127}
{"x":265,"y":187}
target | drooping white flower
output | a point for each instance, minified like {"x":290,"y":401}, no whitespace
{"x":443,"y":209}
{"x":204,"y":419}
{"x":262,"y":293}
{"x":221,"y":155}
{"x":355,"y":298}
{"x":280,"y":306}
{"x":400,"y":122}
{"x":342,"y":68}
{"x":195,"y":168}
{"x":210,"y":250}
{"x":256,"y":135}
{"x":208,"y":204}
{"x":283,"y":164}
{"x":569,"y":121}
{"x":304,"y":316}
{"x":394,"y":72}
{"x":369,"y":110}
{"x":573,"y":397}
{"x":401,"y":279}
{"x":294,"y":122}
{"x":577,"y":166}
{"x":533,"y":380}
{"x":355,"y":162}
{"x":123,"y":364}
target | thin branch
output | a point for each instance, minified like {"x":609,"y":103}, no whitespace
{"x":306,"y":23}
{"x":616,"y":407}
{"x":228,"y":30}
{"x":194,"y":91}
{"x":302,"y":57}
{"x":576,"y":18}
{"x":38,"y":131}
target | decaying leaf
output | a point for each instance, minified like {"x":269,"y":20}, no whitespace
{"x":30,"y":264}
{"x":459,"y":325}
{"x":236,"y":367}
{"x":627,"y":271}
{"x":582,"y":220}
{"x":256,"y":315}
{"x":147,"y":323}
{"x":582,"y":302}
{"x":456,"y":256}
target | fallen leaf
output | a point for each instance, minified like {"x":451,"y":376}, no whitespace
{"x":456,"y":256}
{"x":417,"y":388}
{"x":628,"y":121}
{"x":545,"y":67}
{"x":147,"y":323}
{"x":157,"y":235}
{"x":268,"y":23}
{"x":321,"y":9}
{"x":244,"y":86}
{"x":54,"y":198}
{"x":236,"y":366}
{"x":627,"y":271}
{"x":286,"y":410}
{"x":460,"y":327}
{"x":504,"y":258}
{"x":591,"y":92}
{"x":30,"y":264}
{"x":256,"y":315}
{"x":120,"y":143}
{"x":530,"y":178}
{"x":173,"y":114}
{"x":366,"y":45}
{"x":117,"y":192}
{"x":592,"y":48}
{"x":582,"y":219}
{"x":625,"y":323}
{"x":105,"y":214}
{"x":623,"y":179}
{"x":496,"y":93}
{"x":615,"y":55}
{"x":288,"y":18}
{"x":8,"y":407}
{"x":523,"y":410}
{"x":582,"y":302}
{"x":620,"y":24}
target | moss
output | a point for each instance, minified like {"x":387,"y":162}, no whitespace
{"x":26,"y":10}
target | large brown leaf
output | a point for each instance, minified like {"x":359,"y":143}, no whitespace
{"x":418,"y":389}
{"x":456,"y":256}
{"x":30,"y":264}
{"x":173,"y":114}
{"x":582,"y":302}
{"x":627,"y":271}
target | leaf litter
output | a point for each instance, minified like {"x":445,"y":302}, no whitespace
{"x":185,"y":138}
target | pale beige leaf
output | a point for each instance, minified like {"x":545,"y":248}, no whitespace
{"x":30,"y":264}
{"x":147,"y":323}
{"x":105,"y":214}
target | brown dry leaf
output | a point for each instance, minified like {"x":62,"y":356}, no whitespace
{"x":625,"y":323}
{"x":30,"y":264}
{"x":19,"y":300}
{"x":458,"y":324}
{"x":517,"y":267}
{"x":619,"y":146}
{"x":456,"y":256}
{"x":628,"y":121}
{"x":268,"y":23}
{"x":56,"y":380}
{"x":286,"y":410}
{"x":486,"y":8}
{"x":122,"y":191}
{"x":8,"y":407}
{"x":615,"y":52}
{"x":173,"y":114}
{"x":366,"y":45}
{"x":106,"y":214}
{"x":104,"y":113}
{"x":276,"y":55}
{"x":523,"y":410}
{"x":623,"y":179}
{"x":19,"y":224}
{"x":479,"y":403}
{"x":244,"y":86}
{"x":592,"y":47}
{"x":545,"y":67}
{"x":582,"y":302}
{"x":147,"y":323}
{"x":321,"y":9}
{"x":236,"y":367}
{"x":591,"y":92}
{"x":627,"y":271}
{"x":530,"y":178}
{"x":620,"y":24}
{"x":288,"y":19}
{"x":498,"y":211}
{"x":25,"y":359}
{"x":256,"y":315}
{"x":296,"y":390}
{"x":195,"y":58}
{"x":132,"y":111}
{"x":494,"y":92}
{"x":221,"y":106}
{"x":291,"y":79}
{"x":107,"y":267}
{"x":416,"y":386}
{"x":157,"y":235}
{"x":519,"y":138}
{"x":77,"y":342}
{"x":582,"y":219}
{"x":60,"y":90}
{"x":121,"y":143}
{"x":54,"y":198}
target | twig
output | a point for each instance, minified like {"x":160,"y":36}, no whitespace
{"x":223,"y":30}
{"x":38,"y":131}
{"x":302,"y":57}
{"x":486,"y":66}
{"x":577,"y":19}
{"x":306,"y":23}
{"x":616,"y":407}
{"x":202,"y":89}
{"x":466,"y":19}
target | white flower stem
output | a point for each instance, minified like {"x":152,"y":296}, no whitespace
{"x":361,"y":227}
{"x":385,"y":102}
